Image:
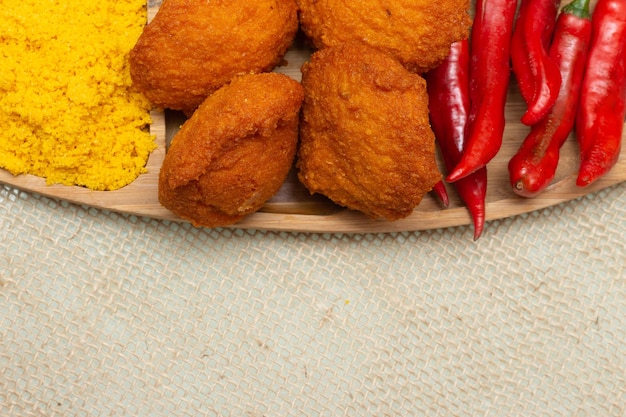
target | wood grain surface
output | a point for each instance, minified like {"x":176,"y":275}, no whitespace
{"x":294,"y":209}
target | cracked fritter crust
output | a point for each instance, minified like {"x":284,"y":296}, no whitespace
{"x":191,"y":48}
{"x":365,"y":136}
{"x":234,"y":152}
{"x":417,"y":32}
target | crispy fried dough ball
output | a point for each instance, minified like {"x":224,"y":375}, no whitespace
{"x":234,"y":152}
{"x":417,"y":32}
{"x":191,"y":48}
{"x":366,"y":141}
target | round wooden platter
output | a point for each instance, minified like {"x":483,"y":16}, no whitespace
{"x":294,"y":209}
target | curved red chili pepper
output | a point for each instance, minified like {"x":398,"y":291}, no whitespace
{"x":448,"y":92}
{"x":519,"y":61}
{"x":602,"y":107}
{"x":489,"y":81}
{"x":538,"y":75}
{"x":534,"y":165}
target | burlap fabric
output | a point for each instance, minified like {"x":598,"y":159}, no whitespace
{"x":109,"y":315}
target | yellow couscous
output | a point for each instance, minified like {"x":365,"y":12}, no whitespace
{"x":68,"y":111}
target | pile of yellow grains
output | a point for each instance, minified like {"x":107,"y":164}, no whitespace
{"x":68,"y":111}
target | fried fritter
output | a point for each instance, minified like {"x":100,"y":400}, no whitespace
{"x":365,"y":137}
{"x":234,"y":152}
{"x":417,"y":32}
{"x":191,"y":48}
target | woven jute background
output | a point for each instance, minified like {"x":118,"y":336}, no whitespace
{"x":103,"y":314}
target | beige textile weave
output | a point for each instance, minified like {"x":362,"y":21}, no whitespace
{"x":103,"y":314}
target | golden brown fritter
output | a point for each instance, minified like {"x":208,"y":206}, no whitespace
{"x":417,"y":32}
{"x":191,"y":48}
{"x":234,"y":152}
{"x":365,"y":137}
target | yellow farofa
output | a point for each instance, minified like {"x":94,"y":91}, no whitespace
{"x":68,"y":111}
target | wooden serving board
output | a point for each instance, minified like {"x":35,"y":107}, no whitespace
{"x":294,"y":209}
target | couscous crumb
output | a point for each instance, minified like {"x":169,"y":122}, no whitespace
{"x":68,"y":110}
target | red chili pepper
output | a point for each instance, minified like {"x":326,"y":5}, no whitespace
{"x":440,"y":191}
{"x":534,"y":165}
{"x":601,"y":111}
{"x":537,"y":74}
{"x":519,"y":63}
{"x":489,"y":81}
{"x":448,"y":91}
